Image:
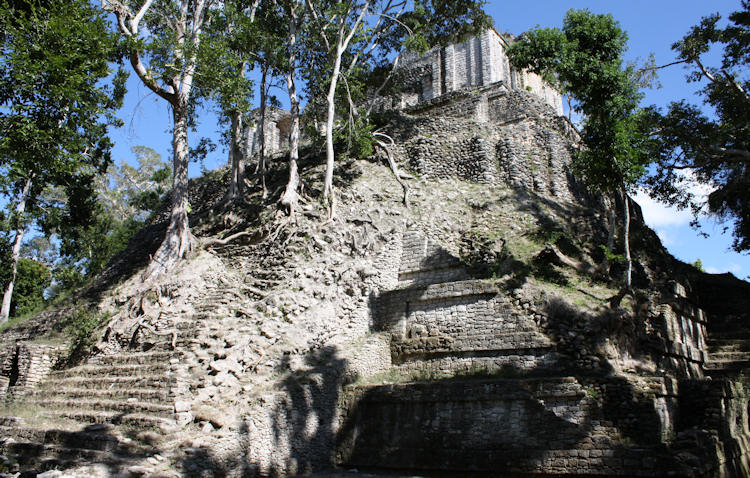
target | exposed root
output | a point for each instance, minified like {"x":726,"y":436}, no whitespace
{"x":616,"y":300}
{"x":257,"y":238}
{"x":552,"y":255}
{"x":145,"y":325}
{"x":392,"y":164}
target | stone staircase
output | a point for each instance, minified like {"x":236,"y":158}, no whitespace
{"x":728,"y":356}
{"x":34,"y":450}
{"x":485,"y":387}
{"x":90,"y":413}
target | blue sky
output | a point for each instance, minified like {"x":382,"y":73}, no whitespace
{"x":652,"y":27}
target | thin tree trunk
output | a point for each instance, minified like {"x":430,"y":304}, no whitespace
{"x":177,"y":241}
{"x":20,"y":228}
{"x":611,"y":223}
{"x":262,"y":131}
{"x":342,"y":43}
{"x":290,"y":197}
{"x":237,"y":173}
{"x":626,"y":241}
{"x":328,"y":193}
{"x":627,"y":288}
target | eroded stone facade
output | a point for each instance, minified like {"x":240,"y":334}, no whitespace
{"x":477,"y":62}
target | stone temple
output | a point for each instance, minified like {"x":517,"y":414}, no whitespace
{"x":476,"y":63}
{"x":479,"y":61}
{"x":441,"y":338}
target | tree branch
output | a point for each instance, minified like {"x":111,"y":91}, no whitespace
{"x":138,"y":16}
{"x":652,"y":68}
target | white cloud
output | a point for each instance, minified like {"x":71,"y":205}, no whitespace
{"x":658,"y":215}
{"x":666,"y":238}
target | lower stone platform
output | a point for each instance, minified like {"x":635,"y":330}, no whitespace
{"x":524,"y":427}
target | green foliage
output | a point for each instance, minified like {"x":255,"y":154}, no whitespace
{"x":442,"y":22}
{"x":81,"y":328}
{"x":698,"y":264}
{"x":55,"y":109}
{"x":610,"y":256}
{"x":58,"y":97}
{"x":584,"y":60}
{"x":32,"y":278}
{"x":711,"y":146}
{"x":31,"y":281}
{"x":355,"y":138}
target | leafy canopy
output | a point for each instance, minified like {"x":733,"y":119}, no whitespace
{"x":585,"y":60}
{"x":713,"y":146}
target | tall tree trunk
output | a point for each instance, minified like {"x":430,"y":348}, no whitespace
{"x":291,"y":196}
{"x":178,"y":240}
{"x":20,"y":228}
{"x":237,"y":172}
{"x":262,"y":130}
{"x":626,"y":240}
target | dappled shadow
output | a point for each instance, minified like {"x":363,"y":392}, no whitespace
{"x":35,"y":450}
{"x":304,"y":423}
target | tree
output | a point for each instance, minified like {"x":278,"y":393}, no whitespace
{"x":54,"y":112}
{"x":31,"y":279}
{"x":585,"y":59}
{"x":361,"y":32}
{"x":230,"y":39}
{"x":713,"y":149}
{"x":164,"y":55}
{"x":134,"y":192}
{"x":296,"y":12}
{"x":126,"y":197}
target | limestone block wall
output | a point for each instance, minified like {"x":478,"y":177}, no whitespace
{"x":29,"y":365}
{"x":424,"y":262}
{"x":442,"y":321}
{"x":35,"y":327}
{"x":478,"y":61}
{"x":456,"y":318}
{"x":714,"y":416}
{"x":529,"y":426}
{"x":685,"y":350}
{"x":490,"y":136}
{"x":275,"y":129}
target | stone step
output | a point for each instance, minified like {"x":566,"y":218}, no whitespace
{"x":40,"y":457}
{"x":140,"y":420}
{"x":124,"y":406}
{"x":737,"y":345}
{"x":734,"y":335}
{"x":155,"y":395}
{"x":124,"y":370}
{"x":735,"y":365}
{"x":98,"y":383}
{"x":91,"y":440}
{"x":128,"y":358}
{"x":729,"y":356}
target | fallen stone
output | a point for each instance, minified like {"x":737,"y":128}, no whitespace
{"x":212,"y":416}
{"x":182,"y":406}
